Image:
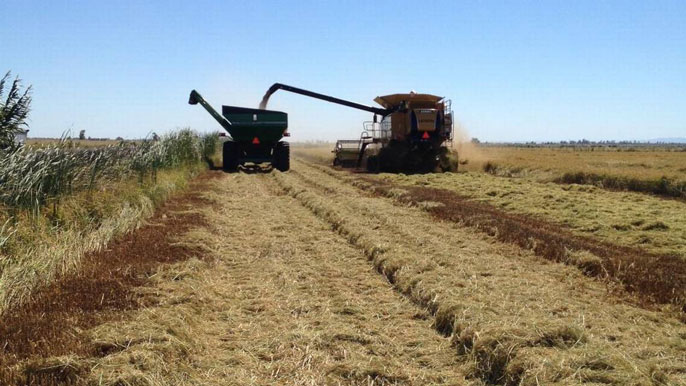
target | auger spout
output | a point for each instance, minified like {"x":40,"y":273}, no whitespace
{"x":196,"y":98}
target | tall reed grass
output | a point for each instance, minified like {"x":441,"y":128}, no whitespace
{"x":33,"y":178}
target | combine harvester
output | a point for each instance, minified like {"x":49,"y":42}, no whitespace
{"x":412,"y":135}
{"x":255,"y":135}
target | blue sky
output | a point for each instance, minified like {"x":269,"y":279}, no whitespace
{"x":515,"y":70}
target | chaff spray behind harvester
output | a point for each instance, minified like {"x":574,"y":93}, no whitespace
{"x":411,"y":136}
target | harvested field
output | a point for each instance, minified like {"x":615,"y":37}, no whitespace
{"x":630,"y":219}
{"x":498,"y":303}
{"x":641,"y":161}
{"x":653,"y":170}
{"x":659,"y":278}
{"x":625,"y":218}
{"x":319,"y":276}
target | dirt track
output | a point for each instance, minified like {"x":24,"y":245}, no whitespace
{"x":302,"y":278}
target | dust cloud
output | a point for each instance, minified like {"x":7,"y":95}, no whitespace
{"x":467,"y":151}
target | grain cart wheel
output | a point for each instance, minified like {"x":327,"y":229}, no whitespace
{"x":282,"y":156}
{"x":230,"y":156}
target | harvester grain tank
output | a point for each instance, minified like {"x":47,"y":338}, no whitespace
{"x":255,"y":135}
{"x":412,"y":135}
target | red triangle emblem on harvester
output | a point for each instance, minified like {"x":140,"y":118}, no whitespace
{"x":425,"y":135}
{"x":255,"y":141}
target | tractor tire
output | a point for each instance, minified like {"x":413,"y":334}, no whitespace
{"x":230,"y":156}
{"x":282,"y":156}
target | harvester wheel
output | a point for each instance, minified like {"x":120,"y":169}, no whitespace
{"x":373,"y":164}
{"x":230,"y":156}
{"x":282,"y":156}
{"x":447,"y":161}
{"x":392,"y":157}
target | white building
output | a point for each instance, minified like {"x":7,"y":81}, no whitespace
{"x":20,"y":137}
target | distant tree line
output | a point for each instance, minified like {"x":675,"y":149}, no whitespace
{"x":582,"y":143}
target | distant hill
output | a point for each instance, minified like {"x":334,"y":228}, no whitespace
{"x":668,"y":140}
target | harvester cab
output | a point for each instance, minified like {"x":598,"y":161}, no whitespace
{"x":255,"y":135}
{"x":412,"y":135}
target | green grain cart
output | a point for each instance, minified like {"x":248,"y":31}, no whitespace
{"x":255,"y":135}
